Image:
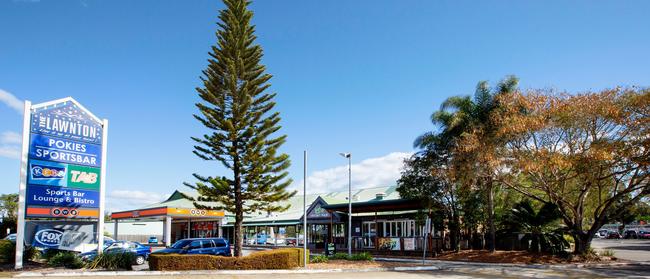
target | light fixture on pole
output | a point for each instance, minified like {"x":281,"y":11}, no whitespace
{"x":349,"y":156}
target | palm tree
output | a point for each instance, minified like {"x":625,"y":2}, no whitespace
{"x":540,"y":226}
{"x":460,"y":116}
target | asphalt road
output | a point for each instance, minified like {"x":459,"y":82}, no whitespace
{"x":626,"y":249}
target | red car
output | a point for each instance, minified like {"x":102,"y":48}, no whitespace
{"x":644,"y":234}
{"x":614,"y":235}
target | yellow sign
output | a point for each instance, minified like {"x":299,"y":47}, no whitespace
{"x":193,"y":212}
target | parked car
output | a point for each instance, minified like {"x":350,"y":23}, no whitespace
{"x":644,"y":234}
{"x":11,"y":237}
{"x":209,"y":246}
{"x":613,"y":235}
{"x":602,"y":233}
{"x":292,"y":241}
{"x":141,"y":252}
{"x":153,"y":240}
{"x":630,"y":234}
{"x":261,"y":238}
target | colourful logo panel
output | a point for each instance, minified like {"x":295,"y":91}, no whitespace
{"x":47,"y":173}
{"x":83,"y":177}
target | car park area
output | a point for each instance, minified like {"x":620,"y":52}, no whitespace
{"x":625,"y":249}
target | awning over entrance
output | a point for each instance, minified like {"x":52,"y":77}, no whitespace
{"x":168,"y":211}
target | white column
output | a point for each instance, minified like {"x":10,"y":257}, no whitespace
{"x":22,"y":188}
{"x":115,"y":230}
{"x":168,"y":231}
{"x":102,"y":189}
{"x":164,"y":229}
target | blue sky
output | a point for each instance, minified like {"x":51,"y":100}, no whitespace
{"x":357,"y":76}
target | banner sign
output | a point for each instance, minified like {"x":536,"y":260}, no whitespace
{"x":60,"y":196}
{"x":64,"y":161}
{"x":409,"y":244}
{"x":62,"y":236}
{"x":66,"y":120}
{"x":65,"y":151}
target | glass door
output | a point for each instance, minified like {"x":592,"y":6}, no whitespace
{"x":369,"y":232}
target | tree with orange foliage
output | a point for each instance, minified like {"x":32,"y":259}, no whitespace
{"x":589,"y":153}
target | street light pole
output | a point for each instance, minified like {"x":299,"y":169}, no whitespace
{"x":349,"y":156}
{"x":304,"y":211}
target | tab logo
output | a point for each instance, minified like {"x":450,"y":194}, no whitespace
{"x":49,"y":237}
{"x":83,"y":177}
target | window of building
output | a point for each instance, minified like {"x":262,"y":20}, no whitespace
{"x":399,"y":228}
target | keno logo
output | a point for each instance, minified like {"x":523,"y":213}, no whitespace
{"x":49,"y":237}
{"x":47,"y":172}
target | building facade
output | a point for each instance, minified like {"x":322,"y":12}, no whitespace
{"x":382,"y":222}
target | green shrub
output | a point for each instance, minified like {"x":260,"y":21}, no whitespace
{"x":48,"y":254}
{"x":272,"y":259}
{"x":569,"y":238}
{"x":8,"y":252}
{"x":65,"y":259}
{"x":113,"y":261}
{"x":339,"y":256}
{"x":319,"y":259}
{"x":365,"y":256}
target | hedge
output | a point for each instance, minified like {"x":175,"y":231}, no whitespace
{"x":8,"y":252}
{"x":272,"y":259}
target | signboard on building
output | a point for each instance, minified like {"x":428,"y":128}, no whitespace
{"x":389,"y":243}
{"x":318,"y":212}
{"x":409,"y":244}
{"x":62,"y":170}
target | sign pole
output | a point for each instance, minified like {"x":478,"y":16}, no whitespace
{"x":304,"y":209}
{"x":427,"y":228}
{"x":102,"y":190}
{"x":22,"y":187}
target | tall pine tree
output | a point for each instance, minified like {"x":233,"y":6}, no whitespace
{"x":238,"y":111}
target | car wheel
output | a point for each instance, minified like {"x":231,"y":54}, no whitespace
{"x":139,"y":260}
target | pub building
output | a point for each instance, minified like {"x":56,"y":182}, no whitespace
{"x":382,"y":222}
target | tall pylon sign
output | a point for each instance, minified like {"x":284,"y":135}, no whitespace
{"x":62,"y":177}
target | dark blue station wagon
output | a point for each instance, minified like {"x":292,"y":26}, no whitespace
{"x":208,"y":246}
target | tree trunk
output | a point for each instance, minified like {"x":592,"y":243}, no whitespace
{"x":239,"y":235}
{"x":490,"y":205}
{"x":582,"y":242}
{"x":457,"y":232}
{"x":239,"y":206}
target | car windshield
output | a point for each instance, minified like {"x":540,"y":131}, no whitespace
{"x":180,"y":244}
